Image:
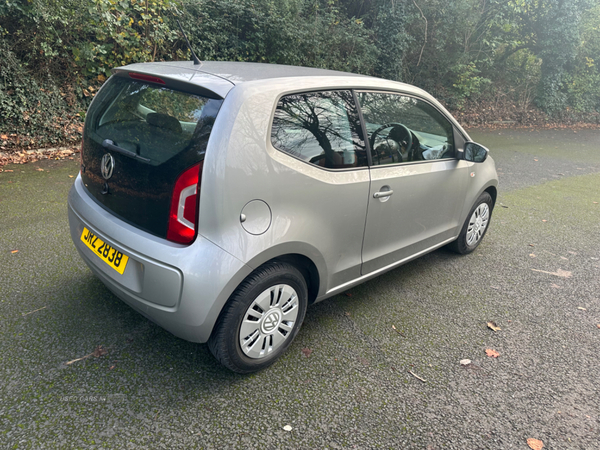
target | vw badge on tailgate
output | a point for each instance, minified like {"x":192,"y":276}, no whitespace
{"x":107,"y":165}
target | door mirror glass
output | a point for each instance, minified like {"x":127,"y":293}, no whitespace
{"x":475,"y":152}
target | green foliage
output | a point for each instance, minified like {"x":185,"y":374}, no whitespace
{"x":454,"y":47}
{"x":468,"y":82}
{"x":550,"y":29}
{"x":298,"y":32}
{"x":36,"y":114}
{"x":583,"y":85}
{"x":392,"y":38}
{"x":122,"y":32}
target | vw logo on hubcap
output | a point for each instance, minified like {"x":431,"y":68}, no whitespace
{"x":107,"y":166}
{"x":271,"y":321}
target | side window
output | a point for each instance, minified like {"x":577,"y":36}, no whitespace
{"x":321,"y":128}
{"x":404,"y":129}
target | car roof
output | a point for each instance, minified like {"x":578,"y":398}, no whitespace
{"x":221,"y":76}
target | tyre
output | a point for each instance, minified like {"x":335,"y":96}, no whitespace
{"x":475,"y":227}
{"x":260,"y":319}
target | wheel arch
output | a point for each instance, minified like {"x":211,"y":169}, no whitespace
{"x":307,"y":268}
{"x":304,"y":257}
{"x":493,"y":191}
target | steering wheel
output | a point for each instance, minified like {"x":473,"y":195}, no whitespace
{"x":406,"y":141}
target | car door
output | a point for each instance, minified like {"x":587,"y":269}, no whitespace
{"x":417,"y":182}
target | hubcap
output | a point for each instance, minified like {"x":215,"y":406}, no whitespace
{"x":477,"y":224}
{"x":269,"y":321}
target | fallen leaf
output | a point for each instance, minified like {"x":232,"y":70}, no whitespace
{"x":287,"y":428}
{"x":111,"y":367}
{"x":493,"y":326}
{"x":14,"y":251}
{"x":581,"y":308}
{"x":71,"y":176}
{"x":492,"y":353}
{"x":544,"y":220}
{"x":559,"y":273}
{"x":535,"y":159}
{"x":9,"y":170}
{"x":348,"y":294}
{"x":555,"y":286}
{"x":531,"y":245}
{"x":465,"y":362}
{"x":598,"y":325}
{"x":306,"y":352}
{"x":595,"y":203}
{"x":99,"y":351}
{"x":532,"y":255}
{"x":562,"y":257}
{"x":39,"y":169}
{"x":535,"y":444}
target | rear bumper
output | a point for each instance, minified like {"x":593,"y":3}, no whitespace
{"x":181,"y":288}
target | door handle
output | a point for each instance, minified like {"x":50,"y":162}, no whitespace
{"x":382,"y":194}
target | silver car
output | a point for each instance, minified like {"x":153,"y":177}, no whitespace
{"x":221,"y":200}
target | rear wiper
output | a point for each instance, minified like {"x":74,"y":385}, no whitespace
{"x":110,"y":145}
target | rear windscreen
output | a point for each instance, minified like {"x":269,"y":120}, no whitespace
{"x":151,"y":121}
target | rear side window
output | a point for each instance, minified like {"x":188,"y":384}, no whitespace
{"x":152,"y":121}
{"x":321,"y":128}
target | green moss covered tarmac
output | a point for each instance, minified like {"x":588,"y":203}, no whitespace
{"x":153,"y":390}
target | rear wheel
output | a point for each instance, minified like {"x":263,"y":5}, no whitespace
{"x":261,"y":318}
{"x":475,"y":226}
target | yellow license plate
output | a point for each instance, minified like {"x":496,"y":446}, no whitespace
{"x":105,"y":252}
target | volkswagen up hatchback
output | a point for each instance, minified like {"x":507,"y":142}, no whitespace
{"x":221,"y":200}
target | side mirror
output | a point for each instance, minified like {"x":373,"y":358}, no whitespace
{"x":475,"y":152}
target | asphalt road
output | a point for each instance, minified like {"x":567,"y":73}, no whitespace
{"x":344,"y":383}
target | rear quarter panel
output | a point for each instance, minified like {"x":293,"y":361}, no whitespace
{"x":316,"y":213}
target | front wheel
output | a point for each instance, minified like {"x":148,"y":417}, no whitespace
{"x":261,"y":318}
{"x":475,"y":226}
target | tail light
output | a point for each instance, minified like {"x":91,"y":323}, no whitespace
{"x":144,"y":77}
{"x":183,"y":215}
